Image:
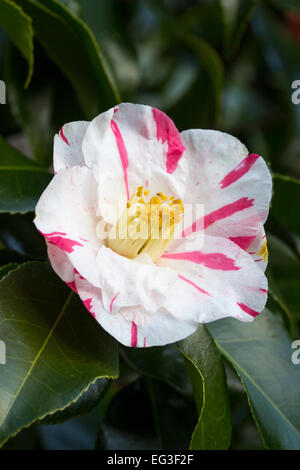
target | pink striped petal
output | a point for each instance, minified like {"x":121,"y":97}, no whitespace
{"x":68,"y":145}
{"x":233,"y":186}
{"x":133,"y":146}
{"x":167,"y":132}
{"x":66,"y":216}
{"x":240,"y":170}
{"x":223,"y":272}
{"x":134,"y":326}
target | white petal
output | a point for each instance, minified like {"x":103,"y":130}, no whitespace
{"x":133,"y":326}
{"x":215,"y":280}
{"x":130,"y":146}
{"x":258,"y":250}
{"x":61,"y":264}
{"x":66,"y":216}
{"x":233,"y":187}
{"x":137,"y":284}
{"x":68,"y":145}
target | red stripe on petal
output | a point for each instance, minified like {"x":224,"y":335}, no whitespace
{"x":58,"y":239}
{"x":194,"y":285}
{"x":264,"y":291}
{"x":133,"y":335}
{"x":88,"y":305}
{"x":217,"y":261}
{"x":240,"y":170}
{"x":78,"y":274}
{"x":227,"y":211}
{"x":112,"y":302}
{"x":167,"y":132}
{"x":219,"y":214}
{"x":242,"y":242}
{"x":62,"y":135}
{"x":248,"y":310}
{"x":72,"y":285}
{"x":122,"y":152}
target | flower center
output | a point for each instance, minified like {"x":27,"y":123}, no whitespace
{"x":147,"y":225}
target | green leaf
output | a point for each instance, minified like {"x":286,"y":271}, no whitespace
{"x":207,"y":374}
{"x":12,"y":257}
{"x":129,"y":422}
{"x":74,"y":49}
{"x":6,"y":268}
{"x":41,"y":109}
{"x":211,"y":72}
{"x":207,"y":88}
{"x":85,"y":403}
{"x":161,"y":363}
{"x":284,"y":276}
{"x":21,"y":180}
{"x":285,"y":202}
{"x":19,"y":29}
{"x":27,"y":439}
{"x":261,"y":353}
{"x":145,"y":415}
{"x":19,"y":234}
{"x":109,"y":23}
{"x":236,"y":15}
{"x":169,"y":408}
{"x":55,"y":349}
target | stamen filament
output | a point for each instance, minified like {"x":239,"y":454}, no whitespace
{"x":146,"y":227}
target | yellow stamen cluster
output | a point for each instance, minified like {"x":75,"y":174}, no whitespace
{"x":147,"y":225}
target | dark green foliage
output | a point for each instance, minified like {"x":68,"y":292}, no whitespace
{"x":210,"y":64}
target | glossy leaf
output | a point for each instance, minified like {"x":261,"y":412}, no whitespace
{"x":206,"y":370}
{"x":21,"y":180}
{"x":261,"y":353}
{"x":75,"y":51}
{"x":54,"y":348}
{"x":85,"y":403}
{"x":285,"y":202}
{"x":19,"y":29}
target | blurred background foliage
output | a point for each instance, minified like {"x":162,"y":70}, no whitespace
{"x":221,"y":64}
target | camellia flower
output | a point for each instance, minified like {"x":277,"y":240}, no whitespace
{"x":117,"y":180}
